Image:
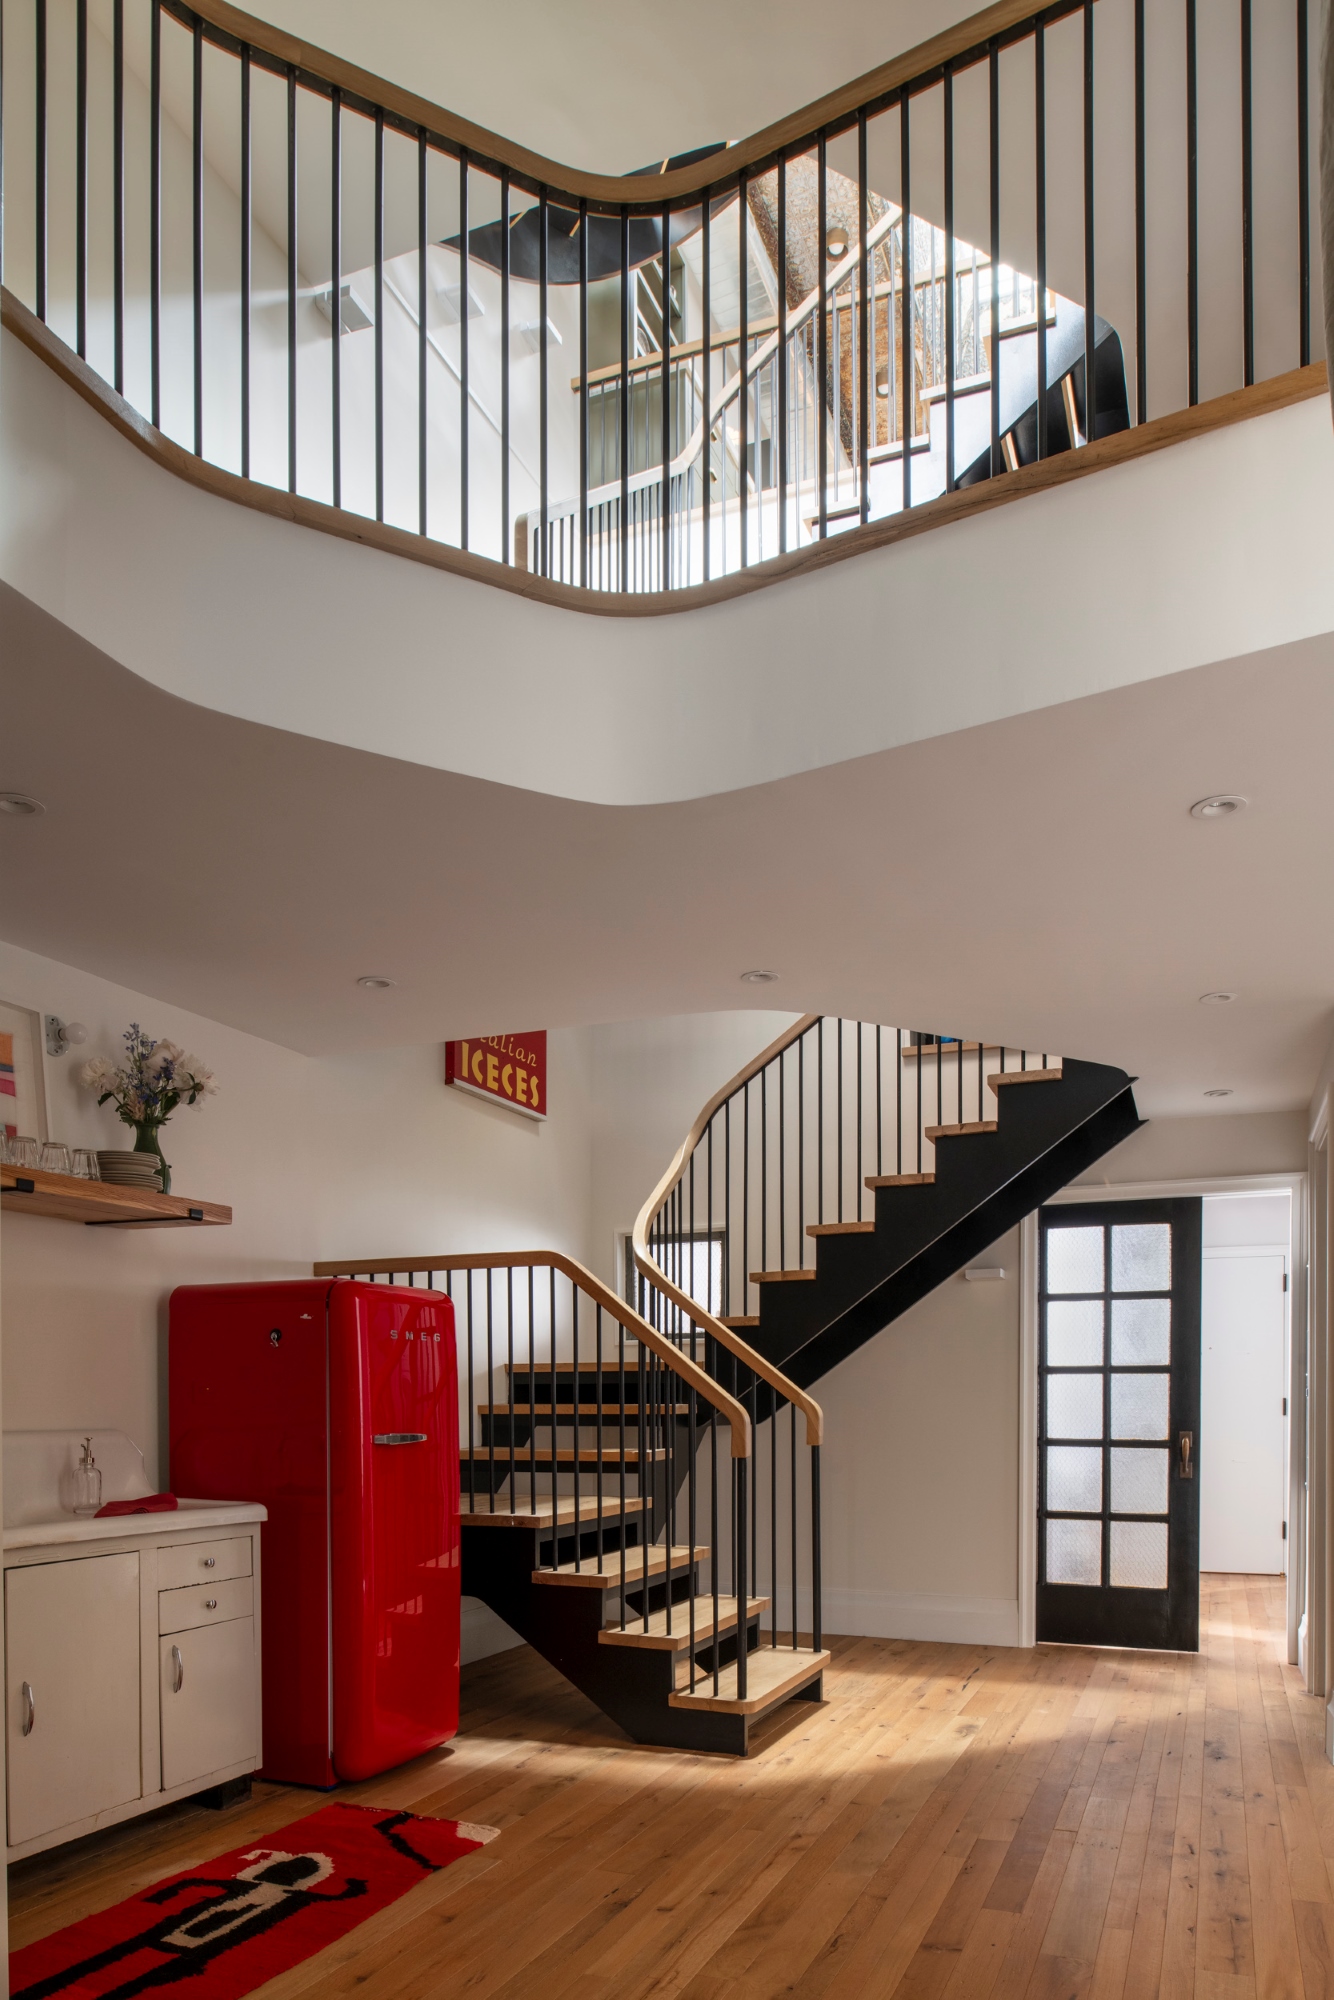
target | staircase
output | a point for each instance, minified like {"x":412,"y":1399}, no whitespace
{"x":641,"y":1486}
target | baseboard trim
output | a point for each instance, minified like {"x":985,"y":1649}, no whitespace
{"x":921,"y":1614}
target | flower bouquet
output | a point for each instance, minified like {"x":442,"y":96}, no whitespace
{"x":147,"y":1087}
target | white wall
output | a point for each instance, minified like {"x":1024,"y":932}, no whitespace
{"x":1217,"y":1144}
{"x":367,"y":1155}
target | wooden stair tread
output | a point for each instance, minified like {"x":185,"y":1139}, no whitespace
{"x":934,"y":1132}
{"x":1024,"y":1076}
{"x":639,"y":1563}
{"x":840,"y":1228}
{"x":781,"y":1277}
{"x":899,"y":1180}
{"x":740,"y":1320}
{"x":656,"y":1638}
{"x":524,"y":1459}
{"x":771,"y":1676}
{"x":587,"y":1412}
{"x":550,"y":1513}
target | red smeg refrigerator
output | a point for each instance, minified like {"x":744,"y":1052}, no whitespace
{"x":334,"y":1402}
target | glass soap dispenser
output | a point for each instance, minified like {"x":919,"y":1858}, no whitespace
{"x":87,"y":1482}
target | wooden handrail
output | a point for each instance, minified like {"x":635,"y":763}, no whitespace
{"x":657,"y":1277}
{"x":625,"y":1315}
{"x":833,"y":111}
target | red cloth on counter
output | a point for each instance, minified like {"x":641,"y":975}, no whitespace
{"x":148,"y":1503}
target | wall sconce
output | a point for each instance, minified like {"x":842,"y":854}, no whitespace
{"x":62,"y":1036}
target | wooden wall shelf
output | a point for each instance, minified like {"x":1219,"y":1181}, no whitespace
{"x":100,"y":1204}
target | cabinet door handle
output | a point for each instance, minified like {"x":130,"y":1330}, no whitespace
{"x":177,"y":1670}
{"x":29,"y":1709}
{"x":209,"y":1561}
{"x":210,"y":1604}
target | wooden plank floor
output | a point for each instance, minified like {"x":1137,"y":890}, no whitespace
{"x":956,"y":1821}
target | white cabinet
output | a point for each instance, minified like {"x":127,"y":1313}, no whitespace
{"x":132,"y":1665}
{"x":72,"y":1691}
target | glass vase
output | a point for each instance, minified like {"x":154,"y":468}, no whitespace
{"x":146,"y":1141}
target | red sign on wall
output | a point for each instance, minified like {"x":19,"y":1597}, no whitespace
{"x":509,"y":1069}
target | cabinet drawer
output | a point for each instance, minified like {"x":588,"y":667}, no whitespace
{"x":205,"y":1604}
{"x":203,"y":1562}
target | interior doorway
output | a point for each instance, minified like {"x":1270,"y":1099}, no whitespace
{"x":1245,"y":1294}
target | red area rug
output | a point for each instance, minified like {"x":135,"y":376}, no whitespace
{"x":230,"y":1924}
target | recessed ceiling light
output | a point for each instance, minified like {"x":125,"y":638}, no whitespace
{"x":1218,"y":1093}
{"x":1221,"y":805}
{"x":1217,"y":999}
{"x":374,"y":983}
{"x":20,"y":806}
{"x":758,"y":978}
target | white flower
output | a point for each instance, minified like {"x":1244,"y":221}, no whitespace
{"x":162,"y":1054}
{"x":97,"y":1073}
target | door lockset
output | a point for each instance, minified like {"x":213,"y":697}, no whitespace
{"x":1186,"y":1461}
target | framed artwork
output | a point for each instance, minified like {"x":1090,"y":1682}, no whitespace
{"x":22,"y":1079}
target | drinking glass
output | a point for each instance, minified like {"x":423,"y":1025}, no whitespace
{"x":54,"y":1158}
{"x":24,"y":1152}
{"x":84,"y":1164}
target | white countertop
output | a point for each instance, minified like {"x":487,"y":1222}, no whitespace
{"x":189,"y":1517}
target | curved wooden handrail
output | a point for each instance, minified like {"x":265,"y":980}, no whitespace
{"x":657,"y":1277}
{"x":625,"y":1315}
{"x":489,"y":149}
{"x":965,"y":502}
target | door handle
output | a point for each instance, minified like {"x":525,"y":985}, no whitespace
{"x":1186,"y":1461}
{"x":398,"y":1437}
{"x":177,"y":1670}
{"x":29,"y":1709}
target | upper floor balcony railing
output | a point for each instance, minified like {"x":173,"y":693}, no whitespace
{"x":1039,"y":230}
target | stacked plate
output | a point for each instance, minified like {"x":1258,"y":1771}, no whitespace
{"x":140,"y":1170}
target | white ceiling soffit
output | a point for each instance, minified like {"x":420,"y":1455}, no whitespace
{"x":1206,"y":551}
{"x":1038,"y":879}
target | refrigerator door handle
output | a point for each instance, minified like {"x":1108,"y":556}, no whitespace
{"x":398,"y":1437}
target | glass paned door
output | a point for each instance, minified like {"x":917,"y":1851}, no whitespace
{"x":1118,"y":1425}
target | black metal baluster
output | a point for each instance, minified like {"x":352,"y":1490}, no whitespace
{"x":879,"y":1108}
{"x":743,"y":265}
{"x":921,"y":1117}
{"x":472,"y":1407}
{"x":863,"y":333}
{"x":764,"y":1168}
{"x":950,"y":309}
{"x":1141,"y":230}
{"x":465,"y":426}
{"x":819,"y":1119}
{"x":741,"y":1579}
{"x":801,"y":1152}
{"x":543,"y":495}
{"x":792,"y":1414}
{"x":860,"y":1087}
{"x":552,"y":1410}
{"x":745,"y":1198}
{"x":1040,"y":190}
{"x":665,"y":557}
{"x":822,"y":360}
{"x":838,"y":1047}
{"x":1303,"y":187}
{"x":154,"y":197}
{"x":40,"y":145}
{"x":782,"y":1162}
{"x":246,"y":223}
{"x":782,"y":356}
{"x":1247,"y":204}
{"x":1192,"y":212}
{"x":197,"y":223}
{"x":645,"y":1481}
{"x":773,"y":1519}
{"x":993,"y":188}
{"x":898,"y":1101}
{"x":692,"y":1525}
{"x":291,"y":280}
{"x":578,"y":1428}
{"x":908,"y":371}
{"x":379,"y":314}
{"x":81,"y":175}
{"x":118,"y":188}
{"x":421,"y":331}
{"x":817,"y":1609}
{"x":491,"y":1389}
{"x":623,"y":424}
{"x":504,"y":366}
{"x":706,"y":369}
{"x":597,"y":1430}
{"x":1090,"y":320}
{"x":620,"y":1374}
{"x":336,"y":294}
{"x":583,"y":393}
{"x":532,"y":1401}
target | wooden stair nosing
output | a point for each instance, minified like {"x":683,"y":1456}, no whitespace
{"x":640,"y":1563}
{"x":861,"y":1228}
{"x":1024,"y":1076}
{"x":739,"y":1320}
{"x":550,"y":1515}
{"x":771,"y":1676}
{"x":657,"y":1639}
{"x":899,"y":1180}
{"x":964,"y":1131}
{"x":783,"y":1277}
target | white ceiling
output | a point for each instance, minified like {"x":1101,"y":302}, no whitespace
{"x":1037,"y":878}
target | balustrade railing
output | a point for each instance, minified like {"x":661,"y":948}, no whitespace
{"x":1042,"y":227}
{"x":624,"y":1445}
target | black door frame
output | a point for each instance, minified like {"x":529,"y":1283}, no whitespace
{"x":1167,"y":1620}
